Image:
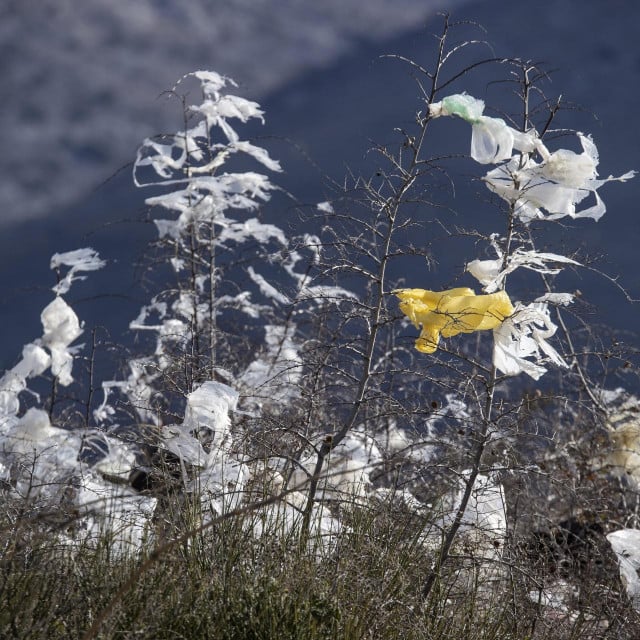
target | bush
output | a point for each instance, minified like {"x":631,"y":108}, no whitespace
{"x":277,"y":459}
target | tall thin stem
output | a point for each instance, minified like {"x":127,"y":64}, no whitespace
{"x":452,"y":533}
{"x":390,"y":207}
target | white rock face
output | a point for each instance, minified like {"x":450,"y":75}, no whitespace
{"x":106,"y":62}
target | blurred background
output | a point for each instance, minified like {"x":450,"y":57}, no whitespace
{"x":83,"y":82}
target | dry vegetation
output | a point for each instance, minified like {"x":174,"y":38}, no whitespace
{"x":280,"y":462}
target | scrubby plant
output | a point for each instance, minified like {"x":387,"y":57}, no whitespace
{"x":278,"y":459}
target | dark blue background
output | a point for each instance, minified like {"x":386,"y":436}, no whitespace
{"x":334,"y":115}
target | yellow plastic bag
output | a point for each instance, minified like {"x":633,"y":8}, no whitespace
{"x":451,"y":312}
